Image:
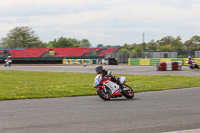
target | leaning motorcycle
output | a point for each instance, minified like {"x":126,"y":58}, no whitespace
{"x":107,"y":89}
{"x":8,"y":63}
{"x":192,"y":65}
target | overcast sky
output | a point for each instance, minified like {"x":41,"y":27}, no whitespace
{"x":107,"y":22}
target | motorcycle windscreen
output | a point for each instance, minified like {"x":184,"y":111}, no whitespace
{"x":122,"y":79}
{"x":97,"y":80}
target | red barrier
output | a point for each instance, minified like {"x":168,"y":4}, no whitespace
{"x":168,"y":66}
{"x":163,"y":66}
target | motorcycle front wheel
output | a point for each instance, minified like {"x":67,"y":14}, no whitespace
{"x":128,"y":92}
{"x":103,"y":94}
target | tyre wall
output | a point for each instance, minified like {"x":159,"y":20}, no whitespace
{"x":169,"y":66}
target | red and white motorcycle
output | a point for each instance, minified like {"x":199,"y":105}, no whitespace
{"x":192,"y":64}
{"x":8,"y":63}
{"x":107,"y":89}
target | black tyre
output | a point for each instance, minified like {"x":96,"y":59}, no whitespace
{"x":197,"y":66}
{"x":128,"y":93}
{"x":102,"y":94}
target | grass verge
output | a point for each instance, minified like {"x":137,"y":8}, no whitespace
{"x":24,"y":85}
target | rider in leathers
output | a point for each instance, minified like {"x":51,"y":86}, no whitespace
{"x":106,"y":73}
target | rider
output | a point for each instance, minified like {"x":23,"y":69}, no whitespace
{"x":194,"y":62}
{"x":189,"y":60}
{"x":106,"y":73}
{"x":8,"y":60}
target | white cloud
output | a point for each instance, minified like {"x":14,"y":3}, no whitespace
{"x":118,"y":21}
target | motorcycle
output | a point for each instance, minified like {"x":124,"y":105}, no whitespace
{"x":107,"y":89}
{"x":192,"y":65}
{"x":8,"y":63}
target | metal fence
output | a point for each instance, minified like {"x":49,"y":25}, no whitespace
{"x":123,"y":57}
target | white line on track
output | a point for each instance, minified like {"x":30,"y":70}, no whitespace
{"x":137,"y":127}
{"x":186,"y":131}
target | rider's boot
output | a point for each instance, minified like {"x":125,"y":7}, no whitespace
{"x":120,"y":86}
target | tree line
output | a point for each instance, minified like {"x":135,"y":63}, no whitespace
{"x":25,"y":37}
{"x":168,"y":43}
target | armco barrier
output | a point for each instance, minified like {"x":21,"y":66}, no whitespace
{"x":129,"y":61}
{"x":198,"y":60}
{"x":79,"y":61}
{"x":133,"y":61}
{"x":169,"y":66}
{"x":177,"y":59}
{"x":165,"y":60}
{"x":184,"y":61}
{"x":153,"y":61}
{"x":144,"y":61}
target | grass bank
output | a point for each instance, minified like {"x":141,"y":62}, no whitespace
{"x":23,"y":84}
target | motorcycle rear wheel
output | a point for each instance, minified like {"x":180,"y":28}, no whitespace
{"x":102,"y":94}
{"x":129,"y":94}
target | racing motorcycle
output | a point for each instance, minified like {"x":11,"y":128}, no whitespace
{"x":192,"y":64}
{"x":8,"y":63}
{"x":107,"y":89}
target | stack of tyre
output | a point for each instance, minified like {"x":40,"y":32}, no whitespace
{"x":169,"y":66}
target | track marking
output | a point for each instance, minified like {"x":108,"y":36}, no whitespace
{"x":186,"y":131}
{"x":136,"y":128}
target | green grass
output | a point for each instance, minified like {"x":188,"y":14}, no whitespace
{"x":23,"y":85}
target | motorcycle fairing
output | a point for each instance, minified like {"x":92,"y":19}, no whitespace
{"x":97,"y":80}
{"x":113,"y":86}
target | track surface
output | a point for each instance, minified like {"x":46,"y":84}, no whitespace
{"x":148,"y":112}
{"x":116,"y":69}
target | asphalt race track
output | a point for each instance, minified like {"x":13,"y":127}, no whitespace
{"x":116,"y":69}
{"x":148,"y":112}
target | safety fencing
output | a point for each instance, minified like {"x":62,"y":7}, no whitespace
{"x":133,"y":61}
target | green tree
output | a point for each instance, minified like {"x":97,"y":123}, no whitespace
{"x":124,"y":50}
{"x":108,"y":46}
{"x":152,"y":45}
{"x":165,"y":40}
{"x":170,"y":43}
{"x":192,"y":44}
{"x":177,"y":44}
{"x":99,"y":45}
{"x":125,"y":46}
{"x":143,"y":46}
{"x":133,"y":53}
{"x":85,"y":43}
{"x":195,"y":40}
{"x":138,"y":48}
{"x":166,"y":47}
{"x":62,"y":42}
{"x":74,"y":41}
{"x":21,"y":37}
